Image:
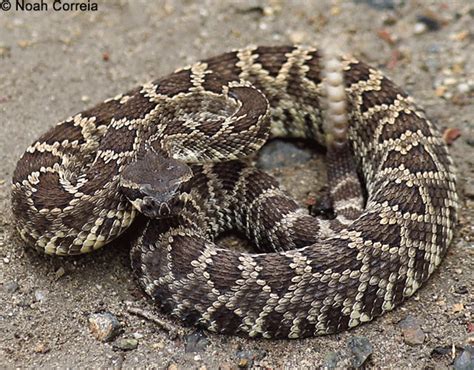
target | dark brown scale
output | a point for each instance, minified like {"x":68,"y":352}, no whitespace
{"x":367,"y":128}
{"x":176,"y":127}
{"x":387,"y":94}
{"x":66,"y":242}
{"x":312,"y":129}
{"x":213,"y":83}
{"x":99,"y":176}
{"x":225,"y":66}
{"x":137,"y":106}
{"x":256,"y":107}
{"x":271,"y":210}
{"x":419,"y":231}
{"x":404,"y":122}
{"x":416,"y":159}
{"x":272,"y":58}
{"x":222,"y":70}
{"x":176,"y":83}
{"x":66,"y":130}
{"x":229,"y":174}
{"x":75,"y":219}
{"x":232,"y":320}
{"x":33,"y":162}
{"x":441,"y":238}
{"x":103,"y":112}
{"x":180,"y":263}
{"x":314,"y":64}
{"x":335,"y":319}
{"x":356,"y":72}
{"x":399,"y":289}
{"x":393,"y":192}
{"x":49,"y":195}
{"x":421,"y":265}
{"x":294,"y":82}
{"x":437,"y":193}
{"x":119,"y":140}
{"x":288,"y":121}
{"x":276,"y":323}
{"x":371,"y":230}
{"x":372,"y":305}
{"x":441,"y":152}
{"x":299,"y":235}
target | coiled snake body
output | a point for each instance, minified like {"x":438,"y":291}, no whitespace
{"x":392,"y":186}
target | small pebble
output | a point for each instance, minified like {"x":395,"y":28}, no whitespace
{"x":465,"y":361}
{"x":11,"y":287}
{"x":419,"y":28}
{"x":40,"y":295}
{"x":226,"y":366}
{"x":451,"y":134}
{"x":297,"y":37}
{"x":59,"y":273}
{"x":138,"y":335}
{"x":41,"y":348}
{"x":104,"y":326}
{"x":461,"y":289}
{"x":243,"y":363}
{"x":335,"y":360}
{"x":411,"y":329}
{"x":460,"y":36}
{"x":196,"y":342}
{"x":361,"y":349}
{"x":24,"y":43}
{"x":159,"y":345}
{"x":245,"y":359}
{"x":463,"y":88}
{"x":469,"y":189}
{"x":4,"y":51}
{"x":448,"y":81}
{"x":458,"y":307}
{"x":125,"y":344}
{"x":430,"y":22}
{"x":380,"y":4}
{"x":440,"y":351}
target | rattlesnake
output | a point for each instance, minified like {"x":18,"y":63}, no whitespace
{"x":79,"y":186}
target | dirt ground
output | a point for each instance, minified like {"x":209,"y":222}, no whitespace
{"x":54,"y":64}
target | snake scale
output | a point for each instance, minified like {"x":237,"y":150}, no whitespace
{"x":172,"y":149}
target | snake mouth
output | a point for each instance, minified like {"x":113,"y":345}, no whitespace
{"x":157,"y":205}
{"x":153,"y":208}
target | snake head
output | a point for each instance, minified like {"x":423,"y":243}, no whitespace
{"x":154,"y":185}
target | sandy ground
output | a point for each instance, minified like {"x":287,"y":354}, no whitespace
{"x":53,"y":64}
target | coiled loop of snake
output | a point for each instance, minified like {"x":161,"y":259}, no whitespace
{"x":313,"y":276}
